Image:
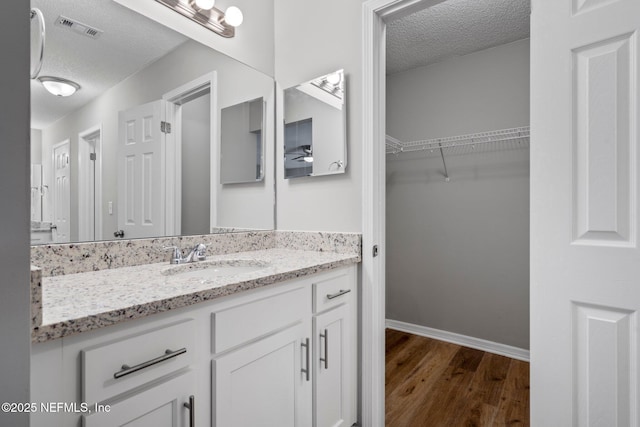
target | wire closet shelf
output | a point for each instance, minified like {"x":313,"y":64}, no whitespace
{"x":519,"y":135}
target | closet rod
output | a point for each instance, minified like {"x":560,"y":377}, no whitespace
{"x":395,"y":146}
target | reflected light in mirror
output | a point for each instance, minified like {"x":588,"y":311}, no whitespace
{"x":205,"y":4}
{"x":59,"y":87}
{"x":233,"y":16}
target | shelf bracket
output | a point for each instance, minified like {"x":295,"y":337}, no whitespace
{"x":446,"y":174}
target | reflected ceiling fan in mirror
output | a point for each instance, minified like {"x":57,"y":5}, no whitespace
{"x":54,"y":85}
{"x":304,"y":153}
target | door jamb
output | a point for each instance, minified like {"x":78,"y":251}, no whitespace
{"x":374,"y":15}
{"x":83,"y":145}
{"x":174,"y":100}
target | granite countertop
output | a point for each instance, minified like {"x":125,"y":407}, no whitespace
{"x":81,"y":302}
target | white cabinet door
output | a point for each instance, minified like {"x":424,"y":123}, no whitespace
{"x":585,"y":296}
{"x":265,"y":383}
{"x":332,"y":368}
{"x":159,"y":406}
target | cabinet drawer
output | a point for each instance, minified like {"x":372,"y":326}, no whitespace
{"x":333,"y":290}
{"x":148,"y":356}
{"x":246,"y":322}
{"x":160,"y":405}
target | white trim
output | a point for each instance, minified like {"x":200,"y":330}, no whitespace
{"x":82,"y":154}
{"x":373,"y":268}
{"x":174,"y":99}
{"x":374,"y":14}
{"x":463,"y":340}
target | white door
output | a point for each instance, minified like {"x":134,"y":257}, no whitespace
{"x":263,"y":383}
{"x":332,"y":400}
{"x":61,"y":192}
{"x":159,"y":406}
{"x":585,"y":261}
{"x":141,"y":171}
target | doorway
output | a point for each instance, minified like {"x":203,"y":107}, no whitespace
{"x":90,"y":184}
{"x":191,"y":192}
{"x":377,"y":14}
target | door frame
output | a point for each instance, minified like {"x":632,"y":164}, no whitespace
{"x":374,"y":15}
{"x":85,"y":139}
{"x":174,"y":100}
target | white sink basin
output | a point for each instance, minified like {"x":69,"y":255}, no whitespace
{"x":211,"y":269}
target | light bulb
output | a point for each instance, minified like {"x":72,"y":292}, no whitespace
{"x":333,"y":78}
{"x":233,"y":16}
{"x":205,"y":4}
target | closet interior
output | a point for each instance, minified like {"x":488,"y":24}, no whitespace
{"x":457,"y":174}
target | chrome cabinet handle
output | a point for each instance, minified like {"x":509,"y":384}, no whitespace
{"x":191,"y":406}
{"x":325,"y":359}
{"x":306,"y":371}
{"x":168,"y":354}
{"x":338,"y":294}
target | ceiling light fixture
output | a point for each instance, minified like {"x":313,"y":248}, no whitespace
{"x":203,"y":12}
{"x":54,"y":85}
{"x":59,"y":87}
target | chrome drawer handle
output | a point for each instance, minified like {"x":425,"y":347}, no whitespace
{"x":306,"y":370}
{"x":339,"y":293}
{"x":191,"y":406}
{"x":169,"y":354}
{"x":325,"y":359}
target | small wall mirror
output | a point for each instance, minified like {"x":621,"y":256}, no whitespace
{"x":242,"y":142}
{"x":315,"y":127}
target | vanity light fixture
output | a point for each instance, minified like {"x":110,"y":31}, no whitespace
{"x":204,"y":13}
{"x":334,"y":78}
{"x":59,"y":87}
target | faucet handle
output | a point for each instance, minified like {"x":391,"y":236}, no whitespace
{"x":200,"y":250}
{"x":176,"y":255}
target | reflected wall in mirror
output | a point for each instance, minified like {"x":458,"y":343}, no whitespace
{"x":242,"y":142}
{"x":315,"y":127}
{"x":136,"y":150}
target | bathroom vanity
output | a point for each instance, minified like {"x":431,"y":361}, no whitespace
{"x":255,"y":337}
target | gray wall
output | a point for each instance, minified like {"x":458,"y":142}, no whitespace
{"x":14,"y":189}
{"x":36,"y":146}
{"x":305,"y":48}
{"x":196,"y":188}
{"x":458,"y":252}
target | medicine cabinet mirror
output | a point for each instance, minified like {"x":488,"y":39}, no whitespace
{"x":242,"y":142}
{"x":146,"y":146}
{"x":315,"y":127}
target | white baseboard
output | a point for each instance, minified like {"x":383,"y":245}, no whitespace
{"x":463,"y":340}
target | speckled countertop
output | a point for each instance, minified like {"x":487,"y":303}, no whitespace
{"x":85,"y":301}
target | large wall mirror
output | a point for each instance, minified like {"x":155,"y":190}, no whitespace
{"x":315,"y":127}
{"x":155,"y":138}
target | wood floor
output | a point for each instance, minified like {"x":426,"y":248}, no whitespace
{"x":432,"y":383}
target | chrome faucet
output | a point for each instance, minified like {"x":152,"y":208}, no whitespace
{"x":196,"y":254}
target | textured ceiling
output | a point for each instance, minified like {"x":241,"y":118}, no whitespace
{"x":130,"y":42}
{"x":454,"y":28}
